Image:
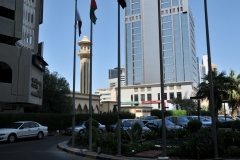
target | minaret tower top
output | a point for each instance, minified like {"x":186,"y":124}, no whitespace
{"x":85,"y":48}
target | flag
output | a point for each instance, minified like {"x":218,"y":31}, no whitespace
{"x":122,"y":3}
{"x":93,"y":7}
{"x":79,"y":21}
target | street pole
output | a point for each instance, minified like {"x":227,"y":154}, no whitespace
{"x":224,"y":112}
{"x":164,"y":155}
{"x":214,"y":134}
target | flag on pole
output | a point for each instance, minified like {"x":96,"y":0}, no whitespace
{"x":122,"y":3}
{"x":79,"y":21}
{"x":93,"y":7}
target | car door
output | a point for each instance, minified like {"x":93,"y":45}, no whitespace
{"x":34,"y":129}
{"x":24,"y":130}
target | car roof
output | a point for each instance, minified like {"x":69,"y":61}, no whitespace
{"x":23,"y":121}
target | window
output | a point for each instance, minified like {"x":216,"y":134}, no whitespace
{"x":159,"y":96}
{"x":135,"y":97}
{"x":171,"y":95}
{"x":179,"y":95}
{"x":148,"y":88}
{"x":171,"y":87}
{"x":32,"y":125}
{"x":5,"y":73}
{"x":149,"y":97}
{"x":178,"y":87}
{"x":165,"y":96}
{"x":131,"y":97}
{"x":142,"y":97}
{"x":142,"y":89}
{"x":135,"y":89}
{"x":25,"y":125}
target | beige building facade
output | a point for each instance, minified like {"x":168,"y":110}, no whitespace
{"x":21,"y":58}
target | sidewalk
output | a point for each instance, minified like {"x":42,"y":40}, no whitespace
{"x":151,"y":155}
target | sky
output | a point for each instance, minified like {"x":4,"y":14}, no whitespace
{"x":57,"y":33}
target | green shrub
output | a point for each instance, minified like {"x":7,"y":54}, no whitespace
{"x":182,"y":132}
{"x":94,"y":124}
{"x":194,"y":125}
{"x":137,"y":127}
{"x":236,"y":125}
{"x":108,"y":142}
{"x":150,"y":135}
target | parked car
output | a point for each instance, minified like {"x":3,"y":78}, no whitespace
{"x":144,"y":128}
{"x":157,"y":123}
{"x":205,"y":122}
{"x":112,"y":127}
{"x":179,"y":120}
{"x":22,"y":129}
{"x":81,"y":128}
{"x":147,"y":118}
{"x":227,"y":125}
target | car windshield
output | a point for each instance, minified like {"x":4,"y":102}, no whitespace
{"x":80,"y":124}
{"x":126,"y":124}
{"x":14,"y":125}
{"x":182,"y":119}
{"x":167,"y":122}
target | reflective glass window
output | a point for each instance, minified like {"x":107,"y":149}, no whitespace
{"x":175,"y":2}
{"x":137,"y":50}
{"x":166,"y":25}
{"x":136,"y":37}
{"x":166,"y":18}
{"x":136,"y":24}
{"x":167,"y":46}
{"x":167,"y":32}
{"x":135,"y":5}
{"x":166,"y":5}
{"x":136,"y":30}
{"x":136,"y":11}
{"x":137,"y":57}
{"x":167,"y":39}
{"x":136,"y":43}
{"x":137,"y":64}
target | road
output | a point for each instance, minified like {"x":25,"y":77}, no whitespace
{"x":32,"y":149}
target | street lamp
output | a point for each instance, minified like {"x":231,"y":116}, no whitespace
{"x":225,"y":101}
{"x":198,"y":98}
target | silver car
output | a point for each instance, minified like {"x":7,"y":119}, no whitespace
{"x":22,"y":129}
{"x":81,"y":128}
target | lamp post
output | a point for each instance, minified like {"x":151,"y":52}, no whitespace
{"x":225,"y":101}
{"x":198,"y":98}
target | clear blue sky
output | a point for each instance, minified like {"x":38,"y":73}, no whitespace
{"x":57,"y":33}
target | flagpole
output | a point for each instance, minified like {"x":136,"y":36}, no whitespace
{"x":90,"y":92}
{"x":162,"y":83}
{"x":214,"y":134}
{"x":74,"y":64}
{"x":119,"y":86}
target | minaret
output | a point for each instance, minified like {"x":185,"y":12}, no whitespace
{"x":84,"y":54}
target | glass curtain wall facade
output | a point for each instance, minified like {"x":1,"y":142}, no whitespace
{"x":142,"y":42}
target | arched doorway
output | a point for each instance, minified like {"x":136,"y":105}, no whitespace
{"x":5,"y":73}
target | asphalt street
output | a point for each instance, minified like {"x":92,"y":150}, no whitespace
{"x":33,"y":149}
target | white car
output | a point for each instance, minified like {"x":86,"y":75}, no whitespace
{"x":22,"y":129}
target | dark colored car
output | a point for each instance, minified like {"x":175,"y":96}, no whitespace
{"x":226,"y":125}
{"x":157,"y":123}
{"x":179,"y":120}
{"x":125,"y":126}
{"x":147,"y":118}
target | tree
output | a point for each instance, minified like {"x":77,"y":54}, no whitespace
{"x":221,"y":86}
{"x":184,"y":103}
{"x":55,"y":94}
{"x":235,"y":94}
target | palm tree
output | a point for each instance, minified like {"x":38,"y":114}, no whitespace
{"x":221,"y":86}
{"x":235,"y":94}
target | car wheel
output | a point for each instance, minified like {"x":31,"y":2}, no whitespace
{"x":12,"y":138}
{"x":40,"y":135}
{"x":81,"y":132}
{"x":100,"y":131}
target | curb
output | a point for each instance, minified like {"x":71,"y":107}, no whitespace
{"x":85,"y":153}
{"x":93,"y":155}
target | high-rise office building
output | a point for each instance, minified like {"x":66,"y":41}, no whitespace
{"x":113,"y":77}
{"x":142,"y":42}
